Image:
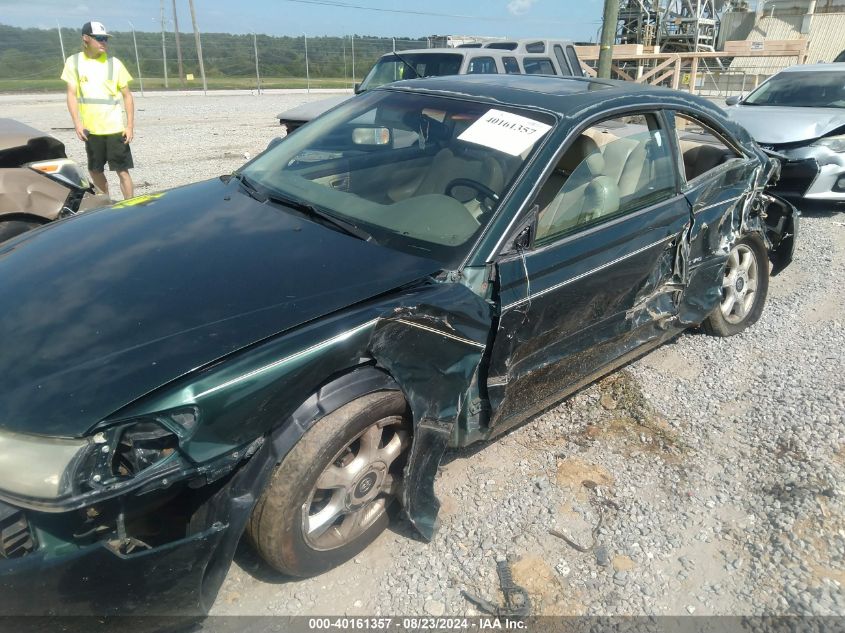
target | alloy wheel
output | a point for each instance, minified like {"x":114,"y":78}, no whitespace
{"x":739,"y":286}
{"x":356,"y":488}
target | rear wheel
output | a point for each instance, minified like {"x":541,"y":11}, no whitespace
{"x":11,"y":228}
{"x":745,"y":285}
{"x":330,"y":496}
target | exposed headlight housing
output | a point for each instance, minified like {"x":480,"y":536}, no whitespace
{"x":54,"y":473}
{"x":833,"y":143}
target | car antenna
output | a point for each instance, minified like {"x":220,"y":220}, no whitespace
{"x":408,"y":64}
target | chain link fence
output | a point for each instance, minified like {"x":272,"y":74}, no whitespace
{"x":33,"y":59}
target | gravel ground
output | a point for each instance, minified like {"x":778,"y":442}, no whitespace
{"x":715,"y":467}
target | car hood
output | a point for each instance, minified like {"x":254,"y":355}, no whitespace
{"x":107,"y":306}
{"x":312,"y":109}
{"x":16,"y":134}
{"x":772,"y":125}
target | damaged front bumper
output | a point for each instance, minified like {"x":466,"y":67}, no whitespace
{"x":97,"y":580}
{"x":811,"y":174}
{"x":167,"y":554}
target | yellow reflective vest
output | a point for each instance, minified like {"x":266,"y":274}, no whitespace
{"x":98,"y":83}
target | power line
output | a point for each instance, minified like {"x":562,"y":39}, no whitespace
{"x":346,"y":5}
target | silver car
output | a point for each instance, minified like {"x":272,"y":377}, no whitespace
{"x":799,"y":114}
{"x":38,"y":183}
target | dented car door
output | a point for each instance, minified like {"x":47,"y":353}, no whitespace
{"x":724,"y":186}
{"x":599,"y":279}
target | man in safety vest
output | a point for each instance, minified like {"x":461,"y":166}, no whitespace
{"x":97,"y":95}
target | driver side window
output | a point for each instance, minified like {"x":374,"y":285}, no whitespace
{"x":611,"y":169}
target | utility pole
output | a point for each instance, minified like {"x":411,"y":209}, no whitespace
{"x":608,"y":36}
{"x":345,"y":76}
{"x":257,"y":76}
{"x":137,"y":59}
{"x":163,"y":48}
{"x":178,"y":45}
{"x":61,"y":41}
{"x":353,"y":60}
{"x":199,"y":46}
{"x":307,"y":74}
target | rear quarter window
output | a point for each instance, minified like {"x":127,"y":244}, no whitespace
{"x":561,"y":60}
{"x":574,"y":62}
{"x":482,"y":66}
{"x":511,"y":65}
{"x":538,"y":66}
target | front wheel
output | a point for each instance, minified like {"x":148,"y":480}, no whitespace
{"x":745,"y":285}
{"x":330,"y":496}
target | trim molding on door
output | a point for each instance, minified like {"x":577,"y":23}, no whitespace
{"x":589,"y":272}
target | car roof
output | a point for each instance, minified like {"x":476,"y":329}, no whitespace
{"x":557,"y":94}
{"x":522,"y":43}
{"x":813,"y":68}
{"x":463,"y":52}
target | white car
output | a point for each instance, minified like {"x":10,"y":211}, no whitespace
{"x":517,"y":57}
{"x":799,"y":114}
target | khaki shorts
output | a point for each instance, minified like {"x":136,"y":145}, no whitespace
{"x":102,"y":148}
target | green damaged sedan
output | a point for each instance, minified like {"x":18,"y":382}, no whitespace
{"x":285,"y":353}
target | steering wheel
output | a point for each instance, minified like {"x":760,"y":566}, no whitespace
{"x":484,"y":194}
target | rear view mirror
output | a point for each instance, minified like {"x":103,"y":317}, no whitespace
{"x":357,"y":89}
{"x":274,"y":142}
{"x":371,"y":136}
{"x":733,"y":100}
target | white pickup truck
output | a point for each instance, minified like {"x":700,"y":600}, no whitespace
{"x":524,"y":56}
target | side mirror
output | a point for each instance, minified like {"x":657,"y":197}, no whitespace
{"x":274,"y":142}
{"x":523,"y":241}
{"x":731,"y":101}
{"x":525,"y":233}
{"x":357,"y":88}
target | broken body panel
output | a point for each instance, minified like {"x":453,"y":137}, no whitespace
{"x":30,"y":195}
{"x":474,"y":350}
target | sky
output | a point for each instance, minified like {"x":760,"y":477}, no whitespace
{"x":567,"y":19}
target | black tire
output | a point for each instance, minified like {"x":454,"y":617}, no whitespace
{"x":12,"y":228}
{"x":277,"y":527}
{"x":732,"y":317}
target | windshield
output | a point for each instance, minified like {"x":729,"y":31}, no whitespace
{"x":417,"y":173}
{"x":411,"y":66}
{"x":821,"y":89}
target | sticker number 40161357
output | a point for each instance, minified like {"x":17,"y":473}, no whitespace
{"x":504,"y":131}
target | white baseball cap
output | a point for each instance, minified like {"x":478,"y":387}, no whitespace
{"x":94,"y":28}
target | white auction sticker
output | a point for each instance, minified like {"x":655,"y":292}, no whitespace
{"x":506,"y":132}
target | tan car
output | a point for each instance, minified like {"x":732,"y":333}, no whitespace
{"x":38,"y":183}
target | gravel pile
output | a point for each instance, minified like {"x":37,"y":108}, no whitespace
{"x":706,"y":478}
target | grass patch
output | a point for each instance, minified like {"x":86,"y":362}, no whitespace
{"x":157,"y":83}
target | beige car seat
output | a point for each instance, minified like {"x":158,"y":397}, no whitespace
{"x":625,"y":159}
{"x":587,"y":193}
{"x":700,"y":158}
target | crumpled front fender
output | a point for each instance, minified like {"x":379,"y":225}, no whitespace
{"x":442,"y":336}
